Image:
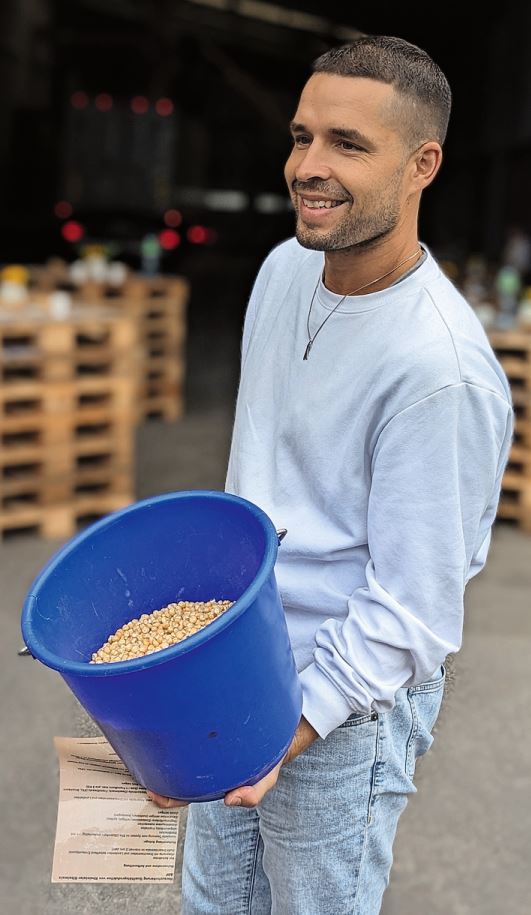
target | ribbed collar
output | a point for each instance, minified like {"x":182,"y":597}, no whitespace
{"x":422,"y":272}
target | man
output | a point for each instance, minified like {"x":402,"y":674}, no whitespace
{"x":374,"y":423}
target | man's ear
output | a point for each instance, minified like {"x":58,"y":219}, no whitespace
{"x":426,"y":162}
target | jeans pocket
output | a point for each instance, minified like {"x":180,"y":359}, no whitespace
{"x":359,"y":718}
{"x":424,"y":703}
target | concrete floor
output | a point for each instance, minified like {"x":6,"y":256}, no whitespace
{"x":462,"y":844}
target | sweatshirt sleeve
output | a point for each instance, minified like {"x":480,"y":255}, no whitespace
{"x":436,"y":476}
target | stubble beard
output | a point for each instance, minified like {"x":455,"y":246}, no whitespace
{"x":364,"y":228}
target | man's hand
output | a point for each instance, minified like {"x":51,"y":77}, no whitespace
{"x":251,"y":795}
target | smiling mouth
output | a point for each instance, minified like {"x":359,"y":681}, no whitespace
{"x":321,"y":204}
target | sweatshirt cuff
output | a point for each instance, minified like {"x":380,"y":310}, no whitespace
{"x":322,"y":705}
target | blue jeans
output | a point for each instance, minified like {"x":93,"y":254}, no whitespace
{"x":321,"y":841}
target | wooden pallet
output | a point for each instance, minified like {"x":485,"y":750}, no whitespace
{"x":164,"y":341}
{"x":54,"y":479}
{"x":521,"y":402}
{"x":46,"y":352}
{"x":29,"y":408}
{"x":55,"y":428}
{"x":170,"y":312}
{"x":161,"y":394}
{"x":33,"y":347}
{"x":55,"y":275}
{"x":515,"y":501}
{"x":522,"y":432}
{"x":515,"y":342}
{"x":61,"y":520}
{"x":149,"y":297}
{"x":160,"y":305}
{"x":166,"y":407}
{"x":68,"y":410}
{"x":163,"y":333}
{"x":513,"y":350}
{"x":151,"y":289}
{"x":36,"y":489}
{"x":64,"y":432}
{"x":519,"y":463}
{"x":84,"y":397}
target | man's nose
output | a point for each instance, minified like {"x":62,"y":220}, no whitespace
{"x":312,"y":164}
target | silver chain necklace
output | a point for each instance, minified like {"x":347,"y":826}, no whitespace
{"x":372,"y":282}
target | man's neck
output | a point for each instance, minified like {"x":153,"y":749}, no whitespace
{"x":369,"y":270}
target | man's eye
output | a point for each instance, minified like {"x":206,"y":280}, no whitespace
{"x":350,"y":147}
{"x":301,"y":140}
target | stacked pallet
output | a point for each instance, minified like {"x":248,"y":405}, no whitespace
{"x":159,"y":303}
{"x":67,"y":418}
{"x":513,"y":349}
{"x":160,"y":307}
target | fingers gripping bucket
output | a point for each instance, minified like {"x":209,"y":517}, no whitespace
{"x":215,"y":711}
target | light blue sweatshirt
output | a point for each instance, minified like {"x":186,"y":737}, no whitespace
{"x":382,"y":455}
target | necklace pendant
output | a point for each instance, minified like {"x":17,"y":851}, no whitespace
{"x":307,"y":350}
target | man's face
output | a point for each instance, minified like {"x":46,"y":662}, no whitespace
{"x":345,"y":148}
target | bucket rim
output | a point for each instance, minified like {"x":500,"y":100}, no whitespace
{"x":117,"y":668}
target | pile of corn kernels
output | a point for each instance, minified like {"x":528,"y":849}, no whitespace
{"x":159,"y":629}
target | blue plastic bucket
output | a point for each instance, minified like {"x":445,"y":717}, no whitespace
{"x":213,"y":712}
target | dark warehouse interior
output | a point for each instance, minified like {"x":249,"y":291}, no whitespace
{"x":231,"y":73}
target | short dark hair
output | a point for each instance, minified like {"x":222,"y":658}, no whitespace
{"x":409,"y":69}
